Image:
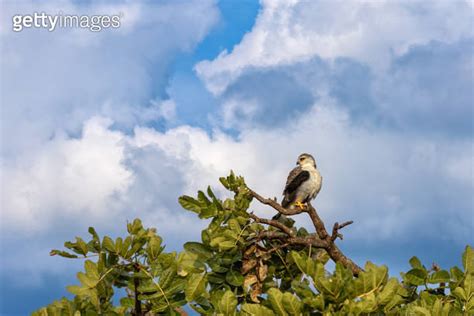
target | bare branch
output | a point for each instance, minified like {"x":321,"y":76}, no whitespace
{"x":274,"y":204}
{"x":317,"y":222}
{"x":271,"y":235}
{"x":303,"y":241}
{"x":273,"y":223}
{"x":337,"y":227}
{"x":307,"y":241}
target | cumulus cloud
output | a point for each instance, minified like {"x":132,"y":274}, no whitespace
{"x":394,"y":187}
{"x":68,"y":178}
{"x":64,"y":166}
{"x":375,"y":174}
{"x":397,"y":65}
{"x":370,"y":32}
{"x":78,"y":74}
{"x":430,"y":89}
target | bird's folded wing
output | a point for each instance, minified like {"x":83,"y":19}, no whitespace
{"x":296,"y":177}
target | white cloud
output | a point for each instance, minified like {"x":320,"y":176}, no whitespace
{"x":372,"y":32}
{"x":63,"y":165}
{"x":370,"y":174}
{"x":390,"y":185}
{"x":57,"y":80}
{"x":67,"y":179}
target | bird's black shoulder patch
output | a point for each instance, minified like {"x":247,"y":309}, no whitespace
{"x":297,"y":181}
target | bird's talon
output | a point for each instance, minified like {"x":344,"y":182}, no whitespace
{"x":300,"y":205}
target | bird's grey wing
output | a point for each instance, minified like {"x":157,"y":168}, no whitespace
{"x":296,"y":177}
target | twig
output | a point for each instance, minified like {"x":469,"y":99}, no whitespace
{"x":274,"y":204}
{"x":337,"y":227}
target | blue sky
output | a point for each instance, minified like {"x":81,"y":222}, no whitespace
{"x":100,"y":128}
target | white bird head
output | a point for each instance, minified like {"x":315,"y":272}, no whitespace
{"x":306,"y":160}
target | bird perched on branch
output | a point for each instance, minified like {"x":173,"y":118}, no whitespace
{"x":303,"y":183}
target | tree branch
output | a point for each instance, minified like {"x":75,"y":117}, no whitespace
{"x":323,"y":239}
{"x":274,"y":204}
{"x":336,"y":227}
{"x":273,"y":223}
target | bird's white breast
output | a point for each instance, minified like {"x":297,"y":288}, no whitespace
{"x":310,"y":188}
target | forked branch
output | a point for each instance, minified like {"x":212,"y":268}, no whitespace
{"x":321,"y":239}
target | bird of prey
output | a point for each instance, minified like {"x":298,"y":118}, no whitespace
{"x":303,"y":183}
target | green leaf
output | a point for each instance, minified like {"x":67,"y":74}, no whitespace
{"x":234,"y":225}
{"x":469,"y":285}
{"x":224,"y":182}
{"x":216,"y":241}
{"x":229,"y":204}
{"x":195,"y":286}
{"x":189,"y":262}
{"x":118,"y":245}
{"x":134,"y":227}
{"x":416,"y":276}
{"x":299,"y":261}
{"x":421,"y":311}
{"x":216,"y":278}
{"x":276,"y":300}
{"x":468,"y":260}
{"x":395,"y":301}
{"x":82,"y":246}
{"x":256,"y":310}
{"x":234,"y":278}
{"x":86,"y":280}
{"x":76,"y":290}
{"x":415,"y":263}
{"x":301,"y":288}
{"x":457,"y":273}
{"x":460,"y":294}
{"x":94,"y":234}
{"x":136,"y":247}
{"x":372,"y":278}
{"x":154,"y":248}
{"x":190,"y":204}
{"x":388,"y":291}
{"x":64,"y":254}
{"x":199,"y":249}
{"x":215,"y":200}
{"x":126,"y":244}
{"x":439,"y":277}
{"x":177,"y":286}
{"x":470,"y":306}
{"x":368,"y":304}
{"x":292,"y":304}
{"x":203,"y":199}
{"x":228,"y":303}
{"x":226,"y":245}
{"x":167,"y":276}
{"x":127,"y":302}
{"x":91,"y":270}
{"x":108,"y":244}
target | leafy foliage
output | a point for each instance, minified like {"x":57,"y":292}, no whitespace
{"x":239,"y":269}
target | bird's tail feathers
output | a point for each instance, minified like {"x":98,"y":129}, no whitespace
{"x":285,"y":202}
